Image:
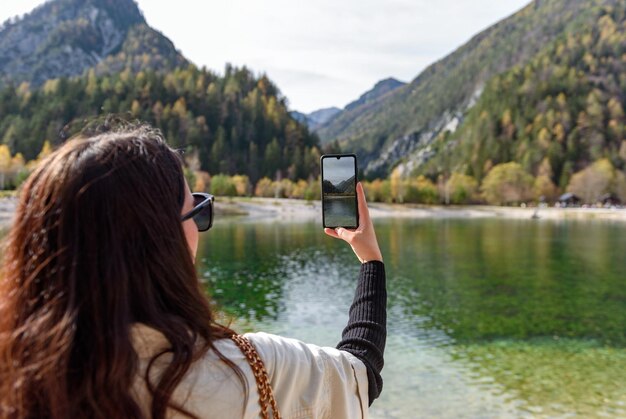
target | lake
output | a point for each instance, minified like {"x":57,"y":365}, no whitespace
{"x":487,"y":317}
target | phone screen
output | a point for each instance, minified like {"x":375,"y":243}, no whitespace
{"x":339,"y":202}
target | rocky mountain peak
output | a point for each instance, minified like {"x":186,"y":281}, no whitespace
{"x":124,"y":13}
{"x":63,"y":38}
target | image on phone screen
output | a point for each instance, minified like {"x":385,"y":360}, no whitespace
{"x":339,"y":202}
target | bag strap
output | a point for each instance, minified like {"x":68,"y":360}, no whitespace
{"x":266,"y":396}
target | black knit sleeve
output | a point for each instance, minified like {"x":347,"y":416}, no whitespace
{"x":366,"y":332}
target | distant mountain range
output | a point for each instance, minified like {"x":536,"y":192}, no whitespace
{"x":320,"y":118}
{"x":399,"y":129}
{"x":64,"y":38}
{"x":345,"y":187}
{"x":315,"y":119}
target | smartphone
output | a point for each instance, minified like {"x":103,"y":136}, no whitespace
{"x":339,"y":202}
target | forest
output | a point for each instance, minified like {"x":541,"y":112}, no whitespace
{"x":559,"y":115}
{"x":235,"y":123}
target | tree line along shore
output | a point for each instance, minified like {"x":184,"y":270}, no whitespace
{"x":506,"y":184}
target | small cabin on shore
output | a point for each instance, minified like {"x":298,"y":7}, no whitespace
{"x":610,"y":200}
{"x":569,"y":200}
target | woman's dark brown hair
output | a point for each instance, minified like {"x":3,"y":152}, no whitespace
{"x":97,"y":244}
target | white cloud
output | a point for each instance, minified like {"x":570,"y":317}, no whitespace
{"x":319,"y":52}
{"x":17,"y":8}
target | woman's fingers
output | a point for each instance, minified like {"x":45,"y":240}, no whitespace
{"x":331,"y":232}
{"x":344,"y":234}
{"x":340,"y":233}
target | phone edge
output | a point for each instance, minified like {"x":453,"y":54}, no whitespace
{"x":356,"y":180}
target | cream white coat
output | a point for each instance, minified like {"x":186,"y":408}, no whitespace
{"x":308,"y":381}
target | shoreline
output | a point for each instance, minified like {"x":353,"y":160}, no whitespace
{"x":288,"y":209}
{"x":301,"y":210}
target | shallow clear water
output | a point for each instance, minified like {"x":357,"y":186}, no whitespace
{"x":487,"y":318}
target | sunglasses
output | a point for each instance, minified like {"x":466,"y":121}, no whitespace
{"x":202,"y":212}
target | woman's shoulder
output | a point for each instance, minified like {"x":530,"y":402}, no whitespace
{"x":272,"y":348}
{"x":275,"y":347}
{"x":148,"y":342}
{"x":314,"y":378}
{"x":209,"y":385}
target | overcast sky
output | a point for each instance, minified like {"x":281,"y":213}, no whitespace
{"x":320,"y":53}
{"x":338,"y":170}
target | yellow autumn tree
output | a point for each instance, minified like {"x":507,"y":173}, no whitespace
{"x":398,"y":185}
{"x":593,"y":181}
{"x":242,"y":184}
{"x":507,"y":183}
{"x":462,"y":188}
{"x":46,"y":150}
{"x":543,"y":186}
{"x":5,"y":164}
{"x":264,"y":188}
{"x":299,"y":189}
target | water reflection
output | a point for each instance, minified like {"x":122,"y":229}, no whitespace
{"x":246,"y":266}
{"x":482,"y":312}
{"x":340,"y":211}
{"x":494,"y":279}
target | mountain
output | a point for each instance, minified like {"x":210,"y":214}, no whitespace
{"x":321,"y":116}
{"x":317,"y":118}
{"x":70,"y":61}
{"x":345,"y":187}
{"x":555,"y":115}
{"x":400,"y":127}
{"x":64,"y":38}
{"x":300,"y":117}
{"x":380,"y":89}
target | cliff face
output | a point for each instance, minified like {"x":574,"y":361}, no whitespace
{"x":63,"y":38}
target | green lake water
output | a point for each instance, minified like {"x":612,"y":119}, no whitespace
{"x":488,"y":318}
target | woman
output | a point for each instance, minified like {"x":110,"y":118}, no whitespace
{"x":102,"y":314}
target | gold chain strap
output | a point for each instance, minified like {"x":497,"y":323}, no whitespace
{"x":266,"y":396}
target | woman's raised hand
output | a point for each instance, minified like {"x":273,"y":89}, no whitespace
{"x":363,"y":239}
